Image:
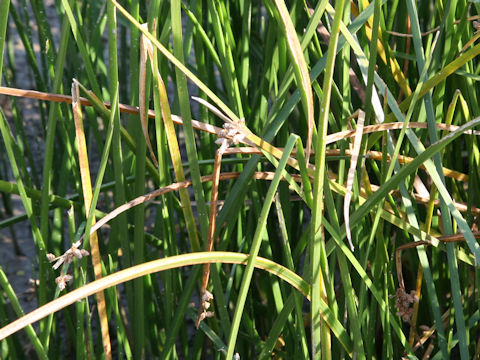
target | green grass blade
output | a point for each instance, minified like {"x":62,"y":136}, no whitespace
{"x":179,"y":64}
{"x":408,"y":169}
{"x":321,"y":347}
{"x":446,"y":201}
{"x":82,"y":47}
{"x":37,"y":344}
{"x":3,"y":29}
{"x":184,"y":103}
{"x":255,"y":247}
{"x":27,"y":204}
{"x":48,"y":159}
{"x":119,"y":196}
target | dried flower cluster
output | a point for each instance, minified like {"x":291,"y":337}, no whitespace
{"x":62,"y":281}
{"x":66,"y":258}
{"x":204,"y":306}
{"x":233,"y":132}
{"x":476,"y":25}
{"x":403,"y":303}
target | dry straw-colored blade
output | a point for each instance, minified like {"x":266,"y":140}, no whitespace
{"x":393,"y":126}
{"x":142,"y":96}
{"x":213,"y":109}
{"x":176,"y":187}
{"x":173,"y":147}
{"x":469,"y":43}
{"x":301,"y":70}
{"x":414,"y":244}
{"x":251,"y":139}
{"x":462,"y":207}
{"x":128,"y":109}
{"x":377,"y":155}
{"x":211,"y":228}
{"x":148,"y":268}
{"x":87,"y":197}
{"x":351,"y":175}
